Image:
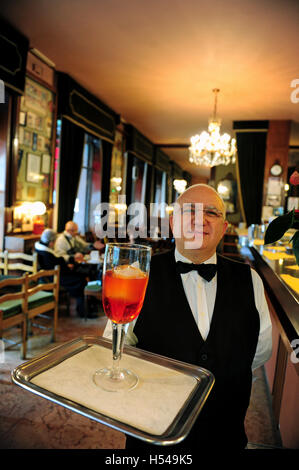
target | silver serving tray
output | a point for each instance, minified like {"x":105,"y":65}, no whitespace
{"x":178,"y":429}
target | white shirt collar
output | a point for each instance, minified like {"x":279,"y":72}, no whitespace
{"x":179,"y":257}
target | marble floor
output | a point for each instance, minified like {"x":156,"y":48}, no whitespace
{"x":28,"y":421}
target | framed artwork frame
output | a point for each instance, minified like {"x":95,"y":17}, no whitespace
{"x":46,"y":164}
{"x":27,"y":138}
{"x":40,"y":145}
{"x":30,"y":121}
{"x":22,"y":118}
{"x":33,"y":168}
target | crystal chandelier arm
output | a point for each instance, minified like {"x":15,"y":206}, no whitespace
{"x":215,"y":90}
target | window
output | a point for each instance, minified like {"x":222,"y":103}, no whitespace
{"x":139,"y":179}
{"x":160,"y":196}
{"x":90,"y":185}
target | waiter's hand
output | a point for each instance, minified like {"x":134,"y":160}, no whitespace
{"x":79,"y":257}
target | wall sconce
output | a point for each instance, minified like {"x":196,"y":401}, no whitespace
{"x":180,"y":185}
{"x":38,"y":208}
{"x":116,"y":183}
{"x":120,"y":208}
{"x":28,"y":216}
{"x":169,"y":209}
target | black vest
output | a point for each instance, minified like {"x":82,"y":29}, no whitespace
{"x":166,"y":326}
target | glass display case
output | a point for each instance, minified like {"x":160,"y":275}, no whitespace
{"x":34,"y":165}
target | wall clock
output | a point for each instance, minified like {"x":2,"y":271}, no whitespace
{"x":276,"y":169}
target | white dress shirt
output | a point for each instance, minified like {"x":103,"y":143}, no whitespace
{"x":201,"y":296}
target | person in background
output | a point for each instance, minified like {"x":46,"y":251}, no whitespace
{"x":71,"y":246}
{"x":208,"y":310}
{"x":72,"y":281}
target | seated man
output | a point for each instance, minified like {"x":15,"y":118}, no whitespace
{"x":72,"y":281}
{"x":72,"y":247}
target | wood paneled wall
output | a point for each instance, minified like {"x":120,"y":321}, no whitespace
{"x":277,"y":149}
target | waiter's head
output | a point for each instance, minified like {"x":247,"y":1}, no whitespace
{"x":198,"y":222}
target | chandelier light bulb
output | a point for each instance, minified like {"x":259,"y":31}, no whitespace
{"x":180,"y":185}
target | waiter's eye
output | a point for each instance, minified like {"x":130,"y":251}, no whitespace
{"x":211,"y":213}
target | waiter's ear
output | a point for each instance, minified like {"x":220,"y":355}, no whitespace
{"x":225,"y":225}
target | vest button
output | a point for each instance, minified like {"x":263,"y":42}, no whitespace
{"x":204,"y":357}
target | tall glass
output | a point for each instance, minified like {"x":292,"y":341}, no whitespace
{"x":125,"y":278}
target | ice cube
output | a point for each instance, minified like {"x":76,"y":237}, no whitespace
{"x":128,"y":271}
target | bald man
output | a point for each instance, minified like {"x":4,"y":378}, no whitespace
{"x":205,"y":309}
{"x":72,"y":247}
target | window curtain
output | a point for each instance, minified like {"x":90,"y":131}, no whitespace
{"x":251,"y":148}
{"x":71,"y":153}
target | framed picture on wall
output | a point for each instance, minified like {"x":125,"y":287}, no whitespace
{"x":49,"y":127}
{"x":31,"y":120}
{"x":46,"y":163}
{"x":22,"y":118}
{"x":34,"y":141}
{"x":33,"y":168}
{"x":27,"y":138}
{"x":40,"y":146}
{"x":21,"y":135}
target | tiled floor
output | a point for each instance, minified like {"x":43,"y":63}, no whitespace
{"x":28,"y":421}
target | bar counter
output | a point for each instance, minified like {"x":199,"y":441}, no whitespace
{"x":278,"y":268}
{"x":279,"y":271}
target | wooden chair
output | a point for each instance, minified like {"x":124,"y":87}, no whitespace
{"x":13,"y":310}
{"x":20,"y":262}
{"x":64,"y":296}
{"x":93,"y":289}
{"x":43,"y":298}
{"x":3,"y":256}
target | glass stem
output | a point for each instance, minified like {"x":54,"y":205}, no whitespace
{"x":119,"y":332}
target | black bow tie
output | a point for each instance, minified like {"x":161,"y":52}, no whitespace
{"x":207,"y":271}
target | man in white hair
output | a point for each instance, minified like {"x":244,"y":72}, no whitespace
{"x":205,"y":309}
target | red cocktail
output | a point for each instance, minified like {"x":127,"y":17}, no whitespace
{"x":123,"y":293}
{"x":125,"y":278}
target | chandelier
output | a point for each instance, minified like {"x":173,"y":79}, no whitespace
{"x":210,"y":148}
